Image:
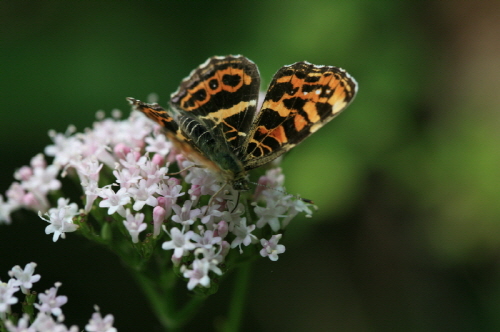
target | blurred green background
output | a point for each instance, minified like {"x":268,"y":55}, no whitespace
{"x":407,"y":235}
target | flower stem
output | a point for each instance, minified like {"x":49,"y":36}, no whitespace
{"x":238,"y":299}
{"x":164,"y":304}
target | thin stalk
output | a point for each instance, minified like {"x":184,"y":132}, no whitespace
{"x":238,"y":299}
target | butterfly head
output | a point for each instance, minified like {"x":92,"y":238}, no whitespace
{"x":241,"y":184}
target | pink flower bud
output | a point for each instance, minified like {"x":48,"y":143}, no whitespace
{"x":121,"y":150}
{"x":159,"y":214}
{"x":222,"y":229}
{"x":158,"y":159}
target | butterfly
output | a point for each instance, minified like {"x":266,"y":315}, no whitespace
{"x":212,"y":116}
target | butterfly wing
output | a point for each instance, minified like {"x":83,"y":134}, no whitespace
{"x":301,"y":98}
{"x":221,"y":95}
{"x":156,"y":113}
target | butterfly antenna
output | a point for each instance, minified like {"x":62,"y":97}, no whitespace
{"x":182,"y":170}
{"x":305,"y":200}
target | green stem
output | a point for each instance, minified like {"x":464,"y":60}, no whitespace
{"x":238,"y":299}
{"x":163,"y":302}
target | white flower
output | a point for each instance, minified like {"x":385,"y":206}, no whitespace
{"x":99,"y":324}
{"x":24,"y":278}
{"x":209,"y":212}
{"x":134,"y":225}
{"x":50,"y":302}
{"x":184,"y":215}
{"x":91,"y":193}
{"x":213,"y":256}
{"x":60,"y":219}
{"x":88,"y":169}
{"x":153,"y":173}
{"x":158,"y":144}
{"x":43,"y":180}
{"x":198,"y":275}
{"x":204,"y":180}
{"x":7,"y":299}
{"x":171,"y":190}
{"x":65,"y":148}
{"x":208,"y":240}
{"x":143,"y":194}
{"x":22,"y":325}
{"x":297,"y":206}
{"x":272,"y":248}
{"x":180,"y":242}
{"x":114,"y":201}
{"x":243,"y":234}
{"x":45,"y":323}
{"x":6,"y":208}
{"x":127,"y":177}
{"x":270,"y":214}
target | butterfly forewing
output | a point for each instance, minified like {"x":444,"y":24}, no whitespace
{"x":301,"y":98}
{"x":156,"y":113}
{"x":222,"y":94}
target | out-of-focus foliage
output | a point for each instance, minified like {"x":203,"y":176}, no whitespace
{"x":407,"y":233}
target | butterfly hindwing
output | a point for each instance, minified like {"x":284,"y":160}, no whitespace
{"x":301,"y":98}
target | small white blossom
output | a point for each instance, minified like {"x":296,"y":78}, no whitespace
{"x":152,"y":173}
{"x":243,"y":234}
{"x":184,"y":215}
{"x":180,"y":242}
{"x":198,"y":275}
{"x":65,"y":148}
{"x":158,"y":144}
{"x":143,"y":195}
{"x":272,"y":248}
{"x":114,"y":201}
{"x":60,"y":219}
{"x":270,"y":214}
{"x":208,"y":240}
{"x":203,"y":182}
{"x":171,"y":190}
{"x":43,"y":180}
{"x":127,"y":177}
{"x":91,"y":190}
{"x":22,"y":325}
{"x":7,"y":299}
{"x":45,"y":323}
{"x":134,"y":225}
{"x":99,"y":324}
{"x":297,"y":206}
{"x":213,"y":256}
{"x":210,"y":213}
{"x":6,"y":208}
{"x":24,"y":278}
{"x":88,"y":169}
{"x":50,"y":302}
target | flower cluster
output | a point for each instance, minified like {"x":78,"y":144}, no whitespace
{"x":125,"y":170}
{"x":50,"y":316}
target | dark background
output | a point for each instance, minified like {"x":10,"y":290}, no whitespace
{"x":407,"y":234}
